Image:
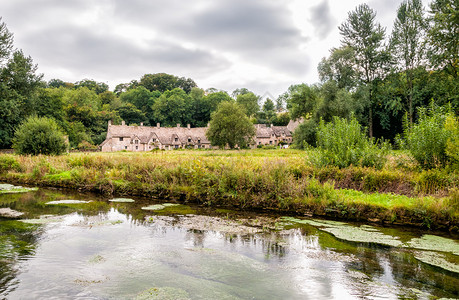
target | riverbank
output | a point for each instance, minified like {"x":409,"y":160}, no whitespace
{"x":279,"y":180}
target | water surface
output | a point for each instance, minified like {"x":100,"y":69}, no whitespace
{"x":117,"y":250}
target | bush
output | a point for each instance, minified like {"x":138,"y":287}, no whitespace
{"x":427,"y":140}
{"x":39,"y":136}
{"x":343,"y":143}
{"x":305,"y":134}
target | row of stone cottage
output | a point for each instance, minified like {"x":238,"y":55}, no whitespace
{"x":146,"y":138}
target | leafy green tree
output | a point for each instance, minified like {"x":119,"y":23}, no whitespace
{"x":339,"y":67}
{"x":77,"y":134}
{"x":240,"y":91}
{"x":172,"y":107}
{"x":407,"y":42}
{"x":229,"y":126}
{"x":6,"y":42}
{"x":443,"y":35}
{"x":302,"y":100}
{"x":10,"y":114}
{"x":131,"y":114}
{"x":50,"y":104}
{"x":334,"y":101}
{"x":165,"y":82}
{"x":365,"y":37}
{"x":305,"y":134}
{"x":39,"y":136}
{"x":249,"y":101}
{"x":98,"y":87}
{"x":143,"y":99}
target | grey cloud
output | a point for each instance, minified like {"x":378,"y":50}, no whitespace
{"x":85,"y":51}
{"x":322,"y":19}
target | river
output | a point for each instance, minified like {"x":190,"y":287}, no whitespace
{"x":151,"y":249}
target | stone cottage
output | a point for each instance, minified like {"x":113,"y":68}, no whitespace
{"x":146,"y":138}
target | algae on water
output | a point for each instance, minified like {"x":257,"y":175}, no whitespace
{"x":122,"y":200}
{"x":434,"y":243}
{"x":6,"y":188}
{"x":159,"y":206}
{"x":360,"y":234}
{"x":437,"y":260}
{"x":67,"y":202}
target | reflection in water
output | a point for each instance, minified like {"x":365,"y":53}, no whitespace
{"x":116,"y":250}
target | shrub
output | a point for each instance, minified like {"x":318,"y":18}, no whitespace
{"x":39,"y":136}
{"x":305,"y":134}
{"x":427,"y":140}
{"x":343,"y":143}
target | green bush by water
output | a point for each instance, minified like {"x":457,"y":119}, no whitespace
{"x":343,"y":143}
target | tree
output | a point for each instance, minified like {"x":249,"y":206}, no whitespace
{"x":6,"y":42}
{"x":339,"y":67}
{"x":172,"y":107}
{"x":131,"y":114}
{"x":302,"y":100}
{"x":249,"y":101}
{"x":165,"y":82}
{"x":229,"y":126}
{"x":407,"y":43}
{"x":443,"y":35}
{"x":365,"y":37}
{"x":98,"y":87}
{"x":39,"y":136}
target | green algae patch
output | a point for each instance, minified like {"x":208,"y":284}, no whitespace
{"x":154,"y":207}
{"x":58,"y":202}
{"x":122,"y":200}
{"x":163,"y":293}
{"x":437,"y":260}
{"x":344,"y":231}
{"x":434,"y":243}
{"x":166,"y":207}
{"x":6,"y":188}
{"x":46,"y":219}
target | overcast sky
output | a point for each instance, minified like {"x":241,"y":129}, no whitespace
{"x":263,"y":45}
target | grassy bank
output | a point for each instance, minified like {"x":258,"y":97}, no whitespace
{"x":255,"y":179}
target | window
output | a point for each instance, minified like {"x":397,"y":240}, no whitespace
{"x":121,"y":139}
{"x":199,"y":141}
{"x":125,"y":147}
{"x":136,"y":147}
{"x":136,"y":141}
{"x":189,"y":140}
{"x":176,"y":139}
{"x":270,"y":142}
{"x":199,"y":146}
{"x":176,"y":146}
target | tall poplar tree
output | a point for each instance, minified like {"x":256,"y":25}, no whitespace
{"x":365,"y":36}
{"x":407,"y":43}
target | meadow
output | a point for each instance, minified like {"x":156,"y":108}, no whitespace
{"x":277,"y":180}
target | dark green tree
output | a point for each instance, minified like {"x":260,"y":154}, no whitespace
{"x":172,"y":108}
{"x":39,"y":136}
{"x":131,"y":114}
{"x":407,"y":44}
{"x":443,"y":36}
{"x":98,"y":87}
{"x":339,"y":67}
{"x":165,"y":82}
{"x":302,"y":100}
{"x":229,"y":126}
{"x":365,"y":37}
{"x":249,"y":101}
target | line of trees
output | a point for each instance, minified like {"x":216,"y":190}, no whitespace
{"x":379,"y":79}
{"x":384,"y":79}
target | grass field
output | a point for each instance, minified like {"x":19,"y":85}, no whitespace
{"x":281,"y":180}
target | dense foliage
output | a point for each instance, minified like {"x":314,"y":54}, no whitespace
{"x":39,"y":136}
{"x":230,"y":127}
{"x":343,"y":143}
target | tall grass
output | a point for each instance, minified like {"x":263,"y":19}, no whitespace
{"x":259,"y":179}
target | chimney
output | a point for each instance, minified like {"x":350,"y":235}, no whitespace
{"x":123,"y":123}
{"x":158,"y":125}
{"x":178,"y":125}
{"x":272,"y":125}
{"x":141,"y":123}
{"x":188,"y":126}
{"x":109,"y":122}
